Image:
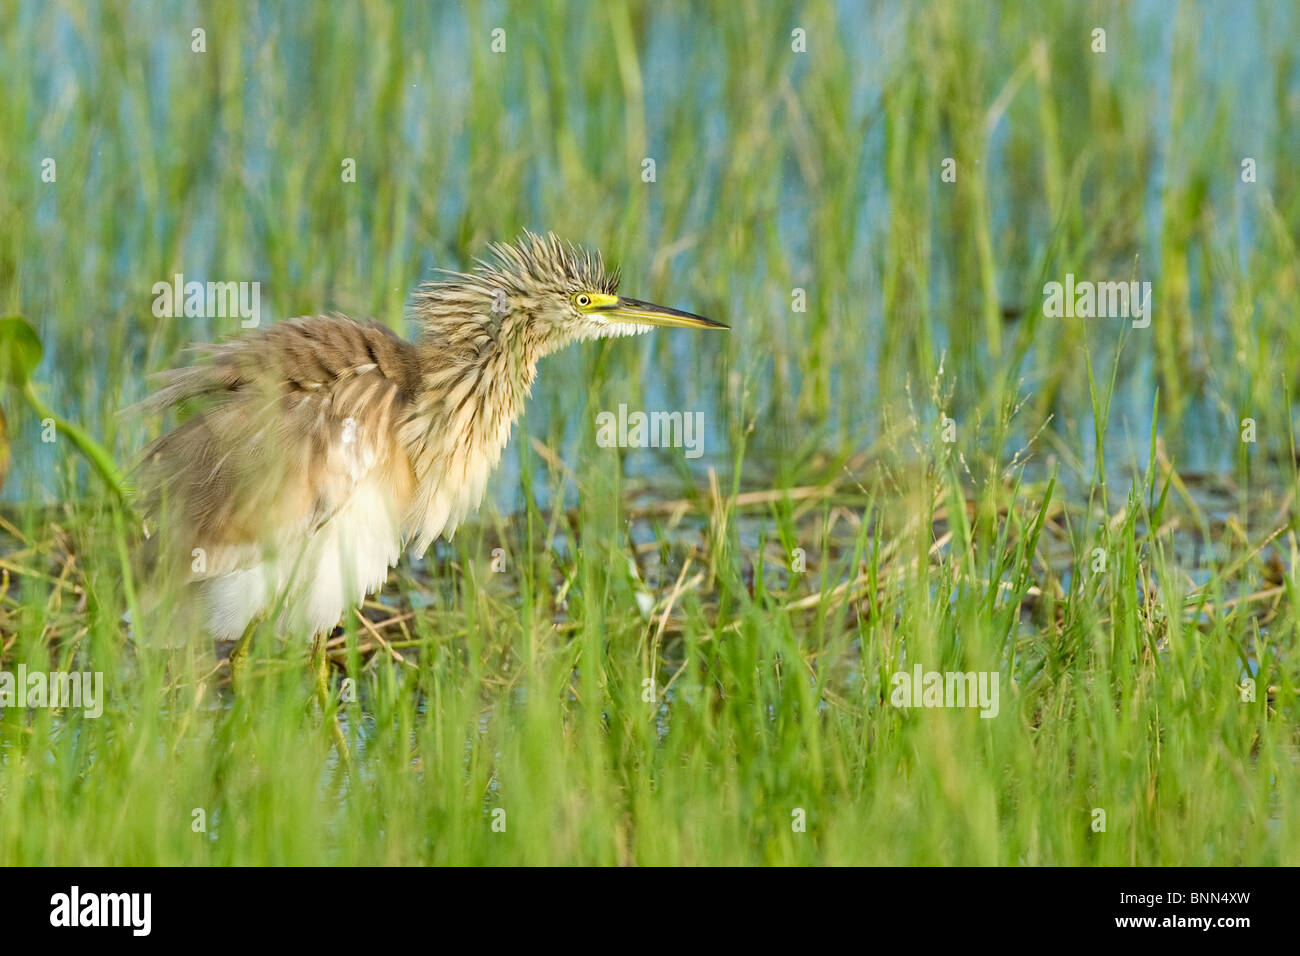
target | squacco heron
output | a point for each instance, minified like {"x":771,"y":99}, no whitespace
{"x":316,"y":450}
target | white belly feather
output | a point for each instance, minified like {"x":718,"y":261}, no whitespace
{"x":346,"y":559}
{"x":349,"y":556}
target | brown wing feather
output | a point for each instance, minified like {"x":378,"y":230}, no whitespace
{"x":283,"y":424}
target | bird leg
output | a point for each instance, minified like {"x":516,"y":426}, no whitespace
{"x":320,"y":665}
{"x":239,"y":654}
{"x":320,"y":668}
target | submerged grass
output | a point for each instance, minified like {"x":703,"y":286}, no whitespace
{"x":620,"y":661}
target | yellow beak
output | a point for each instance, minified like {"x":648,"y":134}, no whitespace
{"x":623,"y":309}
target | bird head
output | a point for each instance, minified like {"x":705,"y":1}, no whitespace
{"x":544,"y":293}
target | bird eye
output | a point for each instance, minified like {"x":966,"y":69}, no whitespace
{"x":582,"y":300}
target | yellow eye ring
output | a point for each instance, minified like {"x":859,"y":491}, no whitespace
{"x":582,"y":300}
